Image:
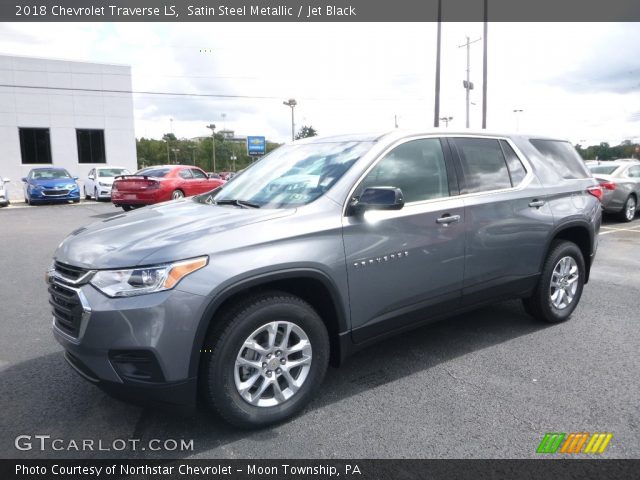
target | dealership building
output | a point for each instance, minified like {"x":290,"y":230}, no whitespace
{"x":63,"y":114}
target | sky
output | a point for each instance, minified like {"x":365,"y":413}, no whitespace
{"x":579,"y":81}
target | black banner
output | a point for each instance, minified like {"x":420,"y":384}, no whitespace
{"x":318,"y":469}
{"x":317,"y":10}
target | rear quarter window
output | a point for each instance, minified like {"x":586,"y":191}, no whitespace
{"x":564,"y":157}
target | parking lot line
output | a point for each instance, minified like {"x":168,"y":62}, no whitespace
{"x":612,"y":230}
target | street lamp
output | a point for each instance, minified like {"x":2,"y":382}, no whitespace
{"x":446,"y":120}
{"x":213,"y":145}
{"x":516,"y":112}
{"x":233,"y":159}
{"x":291,"y":103}
{"x":175,"y":154}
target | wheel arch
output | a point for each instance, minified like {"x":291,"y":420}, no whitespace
{"x":311,"y":285}
{"x":578,"y":232}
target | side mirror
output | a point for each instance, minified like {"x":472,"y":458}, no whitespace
{"x":75,"y":178}
{"x":24,"y":179}
{"x":90,"y":177}
{"x":6,"y":180}
{"x":378,"y":198}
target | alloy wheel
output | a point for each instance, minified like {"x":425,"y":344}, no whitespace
{"x":564,"y":282}
{"x":272,"y":364}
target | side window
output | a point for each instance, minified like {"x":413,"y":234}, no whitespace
{"x":483,"y":165}
{"x":564,"y":157}
{"x":416,"y":167}
{"x":197,"y":173}
{"x":516,"y":169}
{"x":634,"y":172}
{"x":185,"y":173}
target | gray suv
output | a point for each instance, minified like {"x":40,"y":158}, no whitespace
{"x":242,"y":296}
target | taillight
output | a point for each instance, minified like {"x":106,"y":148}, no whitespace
{"x":596,"y":191}
{"x":608,"y":185}
{"x":152,"y":185}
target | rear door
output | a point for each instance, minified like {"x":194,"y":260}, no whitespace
{"x":507,"y":222}
{"x":404,"y":266}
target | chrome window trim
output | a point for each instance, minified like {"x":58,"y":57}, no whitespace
{"x":523,"y":184}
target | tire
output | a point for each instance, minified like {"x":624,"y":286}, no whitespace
{"x":176,"y":194}
{"x":628,"y":212}
{"x":250,"y":319}
{"x":76,"y":201}
{"x":127,"y":208}
{"x":542,"y":305}
{"x":95,"y":194}
{"x":26,"y":200}
{"x":86,"y":197}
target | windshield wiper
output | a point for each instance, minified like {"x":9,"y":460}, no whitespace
{"x":237,"y":203}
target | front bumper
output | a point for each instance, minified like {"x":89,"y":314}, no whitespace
{"x":136,"y":348}
{"x":39,"y":196}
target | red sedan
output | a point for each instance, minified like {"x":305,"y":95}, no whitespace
{"x":159,"y":184}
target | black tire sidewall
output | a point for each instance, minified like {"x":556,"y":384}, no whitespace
{"x":563,"y":249}
{"x":221,"y":384}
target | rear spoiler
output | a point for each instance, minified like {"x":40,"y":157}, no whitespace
{"x":145,"y":177}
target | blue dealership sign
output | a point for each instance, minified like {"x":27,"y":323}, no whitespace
{"x":256,"y":145}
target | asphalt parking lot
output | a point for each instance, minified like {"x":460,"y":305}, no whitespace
{"x":489,"y":383}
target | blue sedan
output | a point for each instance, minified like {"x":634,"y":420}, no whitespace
{"x":50,"y":185}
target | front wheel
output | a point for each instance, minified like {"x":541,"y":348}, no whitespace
{"x":560,"y":285}
{"x":176,"y":194}
{"x":126,"y":208}
{"x":629,"y":210}
{"x":265,"y":361}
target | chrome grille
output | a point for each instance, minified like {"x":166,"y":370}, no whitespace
{"x":66,"y":308}
{"x":68,"y":271}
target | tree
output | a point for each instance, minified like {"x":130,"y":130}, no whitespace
{"x":305,"y":132}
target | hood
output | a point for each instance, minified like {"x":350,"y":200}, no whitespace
{"x":126,"y":240}
{"x":52,"y":183}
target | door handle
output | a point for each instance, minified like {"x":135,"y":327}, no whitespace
{"x":446,"y":219}
{"x":536,"y":203}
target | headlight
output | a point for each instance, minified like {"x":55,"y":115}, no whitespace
{"x":138,"y":281}
{"x":71,"y":186}
{"x":35,"y":187}
{"x":102,"y":184}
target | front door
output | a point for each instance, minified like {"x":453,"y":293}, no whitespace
{"x":406,"y":265}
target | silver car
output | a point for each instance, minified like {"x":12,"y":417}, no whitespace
{"x":244,"y":295}
{"x":4,"y":196}
{"x":620,"y":181}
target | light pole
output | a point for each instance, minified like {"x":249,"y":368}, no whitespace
{"x":291,"y":103}
{"x":446,"y":121}
{"x":233,"y":159}
{"x":468,"y":84}
{"x":213,"y":145}
{"x":175,"y":154}
{"x":516,"y":113}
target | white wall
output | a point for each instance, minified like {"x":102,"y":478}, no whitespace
{"x":63,"y":111}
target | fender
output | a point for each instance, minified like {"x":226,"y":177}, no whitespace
{"x":564,"y":226}
{"x":255,"y":281}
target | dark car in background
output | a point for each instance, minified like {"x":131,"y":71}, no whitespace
{"x":620,"y":182}
{"x":50,"y":184}
{"x":160,"y":184}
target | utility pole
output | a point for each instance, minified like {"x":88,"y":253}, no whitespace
{"x":436,"y":104}
{"x":484,"y":64}
{"x":468,"y":84}
{"x":213,"y":144}
{"x":517,"y":113}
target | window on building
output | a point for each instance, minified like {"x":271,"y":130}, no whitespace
{"x":91,"y":146}
{"x":35,"y":146}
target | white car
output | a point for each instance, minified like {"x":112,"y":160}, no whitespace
{"x":4,"y":197}
{"x":100,"y":180}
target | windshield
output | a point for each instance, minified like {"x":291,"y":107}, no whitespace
{"x":112,"y":172}
{"x":154,"y":172}
{"x":293,"y":175}
{"x":49,"y":174}
{"x":603,"y":169}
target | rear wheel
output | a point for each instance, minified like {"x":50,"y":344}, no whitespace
{"x":95,"y":194}
{"x":560,"y":285}
{"x":126,"y":208}
{"x":629,"y":210}
{"x":265,"y":361}
{"x":86,"y":197}
{"x":176,"y":194}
